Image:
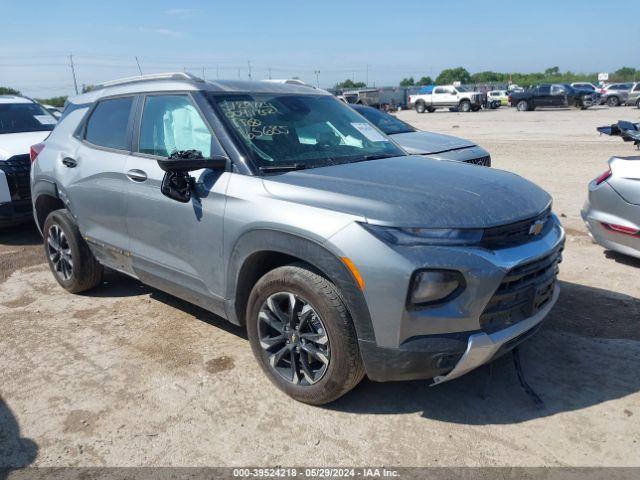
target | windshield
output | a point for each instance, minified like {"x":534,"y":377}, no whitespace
{"x":300,"y":130}
{"x":385,"y":122}
{"x":25,"y":117}
{"x":463,"y":89}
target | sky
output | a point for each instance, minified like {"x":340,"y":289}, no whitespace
{"x":378,"y":42}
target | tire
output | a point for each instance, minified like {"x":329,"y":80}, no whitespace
{"x":464,"y":106}
{"x":69,"y":257}
{"x":522,"y":106}
{"x":420,"y":107}
{"x":326,"y":315}
{"x":431,"y":109}
{"x":613,"y":101}
{"x":638,"y":103}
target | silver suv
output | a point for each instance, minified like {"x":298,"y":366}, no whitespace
{"x":281,"y":209}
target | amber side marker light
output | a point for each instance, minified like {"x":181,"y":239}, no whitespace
{"x":354,"y":271}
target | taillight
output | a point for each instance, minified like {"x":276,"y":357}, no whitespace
{"x":35,"y":150}
{"x":601,"y":178}
{"x":620,"y":229}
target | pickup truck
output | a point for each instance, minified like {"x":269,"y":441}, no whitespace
{"x":552,"y":95}
{"x":428,"y":99}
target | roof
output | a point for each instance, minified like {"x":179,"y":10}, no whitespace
{"x":14,"y":99}
{"x":180,"y":81}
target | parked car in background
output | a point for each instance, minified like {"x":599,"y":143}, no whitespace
{"x":634,"y":95}
{"x":501,"y":96}
{"x":23,"y":123}
{"x":429,"y":144}
{"x":552,"y":95}
{"x":55,"y":111}
{"x":430,"y":98}
{"x":283,"y":210}
{"x":361,"y":96}
{"x":615,"y":94}
{"x":612,"y":211}
{"x":585,"y":86}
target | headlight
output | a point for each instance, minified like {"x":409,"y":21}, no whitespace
{"x":429,"y":287}
{"x":426,"y":236}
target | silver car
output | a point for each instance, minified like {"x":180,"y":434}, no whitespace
{"x":612,"y":212}
{"x":279,"y":208}
{"x":419,"y":142}
{"x":615,"y":94}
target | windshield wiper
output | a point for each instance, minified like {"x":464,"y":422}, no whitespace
{"x":378,"y":156}
{"x":284,"y":168}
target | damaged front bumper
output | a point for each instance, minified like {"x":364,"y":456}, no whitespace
{"x":482,"y":348}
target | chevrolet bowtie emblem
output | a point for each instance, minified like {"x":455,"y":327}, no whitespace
{"x":536,"y":227}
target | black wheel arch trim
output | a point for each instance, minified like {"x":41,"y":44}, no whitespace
{"x":317,"y":256}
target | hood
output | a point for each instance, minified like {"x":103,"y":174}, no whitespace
{"x":19,"y":143}
{"x":421,"y":143}
{"x":415,"y":192}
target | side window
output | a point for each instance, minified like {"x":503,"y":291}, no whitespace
{"x":107,"y":125}
{"x":439,"y":90}
{"x":544,"y":90}
{"x":637,"y":87}
{"x":557,"y":90}
{"x":171,"y":123}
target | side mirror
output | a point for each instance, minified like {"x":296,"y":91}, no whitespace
{"x":177,"y":184}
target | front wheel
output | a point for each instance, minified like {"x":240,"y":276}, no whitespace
{"x":613,"y":101}
{"x":465,"y":106}
{"x":69,"y":257}
{"x":302,"y":335}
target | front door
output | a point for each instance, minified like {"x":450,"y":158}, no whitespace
{"x":176,"y":247}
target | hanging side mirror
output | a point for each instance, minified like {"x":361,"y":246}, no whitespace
{"x":177,"y":184}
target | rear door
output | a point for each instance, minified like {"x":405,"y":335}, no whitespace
{"x":543,"y":96}
{"x":93,"y":178}
{"x":176,"y":247}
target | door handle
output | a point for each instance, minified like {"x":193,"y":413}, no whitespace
{"x":69,"y":162}
{"x":137,"y":175}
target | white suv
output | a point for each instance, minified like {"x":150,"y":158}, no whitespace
{"x":23,"y":123}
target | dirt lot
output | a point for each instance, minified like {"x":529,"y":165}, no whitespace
{"x":125,"y":375}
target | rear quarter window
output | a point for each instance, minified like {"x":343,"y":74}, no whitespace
{"x":107,"y":125}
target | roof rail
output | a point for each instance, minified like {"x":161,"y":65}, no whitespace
{"x":147,"y":78}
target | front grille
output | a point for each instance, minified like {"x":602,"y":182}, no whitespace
{"x":517,"y":233}
{"x":484,"y":161}
{"x":524,"y":291}
{"x":17,"y":169}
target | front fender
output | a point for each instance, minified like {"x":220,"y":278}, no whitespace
{"x":264,"y":240}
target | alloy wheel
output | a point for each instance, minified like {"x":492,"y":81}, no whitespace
{"x":294,"y":339}
{"x":59,"y":252}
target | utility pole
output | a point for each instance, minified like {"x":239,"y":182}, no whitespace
{"x":238,"y":73}
{"x":203,"y":77}
{"x":249,"y":64}
{"x":138,"y":63}
{"x":317,"y":72}
{"x":366,"y":82}
{"x":217,"y":71}
{"x":73,"y":72}
{"x":269,"y":73}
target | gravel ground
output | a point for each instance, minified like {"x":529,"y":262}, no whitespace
{"x":128,"y":376}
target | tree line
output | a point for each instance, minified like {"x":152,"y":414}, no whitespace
{"x":550,"y":75}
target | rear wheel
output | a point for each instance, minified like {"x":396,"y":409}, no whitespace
{"x":638,"y":103}
{"x":522,"y":106}
{"x":70,"y":260}
{"x":613,"y":101}
{"x":420,"y":107}
{"x":465,"y":106}
{"x":302,"y":335}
